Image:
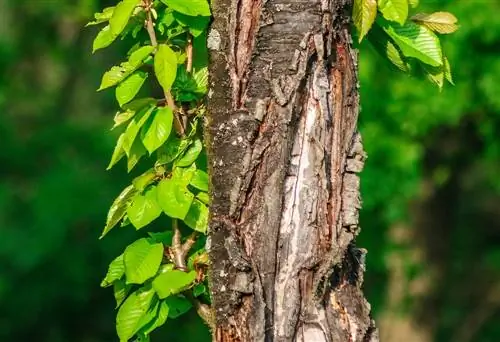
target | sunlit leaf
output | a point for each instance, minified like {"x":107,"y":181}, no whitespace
{"x":142,"y":260}
{"x":415,"y":41}
{"x":165,"y":65}
{"x":157,"y":129}
{"x":144,"y":209}
{"x":440,"y":22}
{"x":116,"y":270}
{"x":137,"y":151}
{"x":364,"y":13}
{"x":132,"y":310}
{"x":394,"y":10}
{"x":118,"y":209}
{"x":102,"y":17}
{"x":192,"y":8}
{"x":197,"y":217}
{"x":191,"y":154}
{"x":128,"y":89}
{"x":121,"y":15}
{"x":173,"y":282}
{"x":120,"y":291}
{"x":103,"y":39}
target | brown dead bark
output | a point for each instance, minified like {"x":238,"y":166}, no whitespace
{"x":284,"y":154}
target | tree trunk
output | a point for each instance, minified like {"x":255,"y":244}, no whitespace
{"x":284,"y":155}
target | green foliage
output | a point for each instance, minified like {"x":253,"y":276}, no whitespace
{"x":150,"y":280}
{"x":407,"y":44}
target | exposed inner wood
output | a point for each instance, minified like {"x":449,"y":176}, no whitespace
{"x":284,"y":156}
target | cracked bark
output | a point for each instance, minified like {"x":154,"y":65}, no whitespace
{"x":284,"y":157}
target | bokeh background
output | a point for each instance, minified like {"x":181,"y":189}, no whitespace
{"x":431,"y":187}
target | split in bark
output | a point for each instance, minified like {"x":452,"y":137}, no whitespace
{"x":284,"y":157}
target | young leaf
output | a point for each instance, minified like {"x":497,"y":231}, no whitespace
{"x":364,"y":13}
{"x":174,"y":198}
{"x":131,"y":312}
{"x":416,"y":41}
{"x":144,"y":209}
{"x":157,"y":129}
{"x":120,"y":291}
{"x":197,"y":217}
{"x":173,"y":282}
{"x":200,"y":180}
{"x":394,"y":10}
{"x":178,"y":305}
{"x":440,"y":22}
{"x":134,"y":126}
{"x":165,"y":65}
{"x":102,"y":17}
{"x":103,"y":39}
{"x":121,"y":15}
{"x":128,"y":89}
{"x":191,"y":154}
{"x":387,"y":49}
{"x":142,"y":181}
{"x":142,"y":260}
{"x":118,"y":152}
{"x":116,"y":270}
{"x":118,"y":73}
{"x":136,"y":153}
{"x":118,"y":209}
{"x":192,"y":8}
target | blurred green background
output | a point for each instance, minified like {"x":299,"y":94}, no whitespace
{"x":431,"y":187}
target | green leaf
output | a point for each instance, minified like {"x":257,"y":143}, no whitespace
{"x":394,"y":10}
{"x":174,"y":199}
{"x":197,"y":217}
{"x":440,"y":22}
{"x":165,"y":65}
{"x":132,"y":311}
{"x":134,"y":126}
{"x":192,"y":8}
{"x":116,"y":270}
{"x":201,"y":79}
{"x":163,"y":237}
{"x":415,"y":41}
{"x":118,"y":73}
{"x":142,"y":181}
{"x":139,"y":104}
{"x":157,"y":129}
{"x":364,"y":13}
{"x":128,"y":89}
{"x":200,"y":180}
{"x":149,"y":317}
{"x":387,"y":49}
{"x":447,"y":71}
{"x":102,"y":17}
{"x":121,"y":15}
{"x":191,"y":154}
{"x":197,"y":24}
{"x":144,"y":209}
{"x":199,"y":289}
{"x":172,"y":149}
{"x":118,"y":152}
{"x":136,"y":153}
{"x":159,"y":319}
{"x":142,"y":260}
{"x":103,"y":39}
{"x":173,"y":282}
{"x":177,"y":305}
{"x":122,"y":117}
{"x":435,"y":75}
{"x":118,"y":209}
{"x":120,"y":291}
{"x":203,"y":197}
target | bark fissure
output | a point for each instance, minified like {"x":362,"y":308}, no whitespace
{"x":284,"y":156}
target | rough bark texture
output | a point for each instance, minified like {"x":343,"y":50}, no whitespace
{"x":284,"y":156}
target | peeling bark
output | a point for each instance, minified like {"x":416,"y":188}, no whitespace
{"x":284,"y":156}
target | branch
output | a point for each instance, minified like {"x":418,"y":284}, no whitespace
{"x":189,"y":54}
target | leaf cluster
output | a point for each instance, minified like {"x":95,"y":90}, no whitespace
{"x":411,"y":43}
{"x":163,"y":275}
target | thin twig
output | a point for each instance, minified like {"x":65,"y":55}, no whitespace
{"x":189,"y":54}
{"x":188,"y":244}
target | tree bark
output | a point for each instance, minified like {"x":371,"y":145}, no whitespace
{"x":284,"y":155}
